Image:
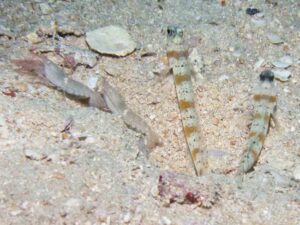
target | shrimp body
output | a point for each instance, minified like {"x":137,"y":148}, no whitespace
{"x":55,"y":76}
{"x":109,"y":99}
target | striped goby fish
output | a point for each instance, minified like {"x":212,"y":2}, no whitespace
{"x":178,"y":62}
{"x":265,"y":100}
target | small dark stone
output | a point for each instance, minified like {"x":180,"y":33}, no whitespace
{"x":252,"y":11}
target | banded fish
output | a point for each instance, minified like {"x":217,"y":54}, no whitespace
{"x":178,"y":61}
{"x":265,"y":102}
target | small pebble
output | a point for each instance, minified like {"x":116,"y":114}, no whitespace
{"x":25,"y":205}
{"x":15,"y":212}
{"x":274,"y":39}
{"x":172,"y":116}
{"x":258,"y":22}
{"x":166,"y":221}
{"x":112,"y":40}
{"x":92,"y":81}
{"x":152,"y":116}
{"x":283,"y":62}
{"x":252,"y":11}
{"x":296,"y":173}
{"x":2,"y":121}
{"x":282,"y":75}
{"x":223,"y":77}
{"x":73,"y":204}
{"x":286,"y":90}
{"x":33,"y":38}
{"x":260,"y":15}
{"x":90,"y":140}
{"x":237,"y":53}
{"x":127,"y":217}
{"x":249,"y":36}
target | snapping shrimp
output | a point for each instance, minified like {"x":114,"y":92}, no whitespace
{"x":107,"y":100}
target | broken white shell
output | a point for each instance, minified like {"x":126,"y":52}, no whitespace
{"x":112,"y":40}
{"x":296,"y":173}
{"x":283,"y":62}
{"x":274,"y":38}
{"x":258,"y":22}
{"x":282,"y":75}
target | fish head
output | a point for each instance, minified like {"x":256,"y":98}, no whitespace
{"x":175,"y":34}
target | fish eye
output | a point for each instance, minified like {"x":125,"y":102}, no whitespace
{"x":262,"y":77}
{"x":267,"y":75}
{"x":170,"y":31}
{"x":271,"y":78}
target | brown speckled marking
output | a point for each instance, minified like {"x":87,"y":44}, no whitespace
{"x":254,"y":154}
{"x":189,"y":130}
{"x":252,"y":134}
{"x":257,"y":98}
{"x":261,"y":137}
{"x":179,"y":78}
{"x":273,"y":99}
{"x":183,"y":105}
{"x":268,"y":98}
{"x":257,"y":116}
{"x":177,"y":54}
{"x":195,"y":152}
